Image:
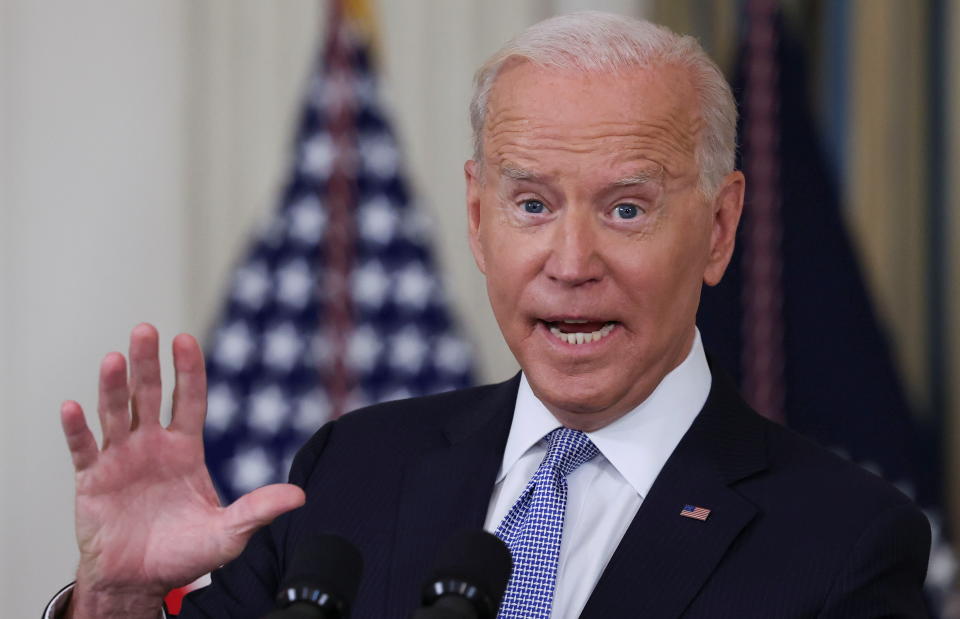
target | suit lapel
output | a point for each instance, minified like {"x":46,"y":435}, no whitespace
{"x":664,"y":558}
{"x":448,"y":488}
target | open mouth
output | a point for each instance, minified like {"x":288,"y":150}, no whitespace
{"x":577,"y":331}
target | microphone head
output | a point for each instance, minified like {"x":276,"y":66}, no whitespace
{"x":475,"y":565}
{"x":325,"y":570}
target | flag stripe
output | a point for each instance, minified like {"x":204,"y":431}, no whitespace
{"x":762,"y":299}
{"x":341,"y":194}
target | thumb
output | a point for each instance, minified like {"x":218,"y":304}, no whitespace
{"x":259,"y":507}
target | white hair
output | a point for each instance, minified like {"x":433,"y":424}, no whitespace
{"x":595,"y":41}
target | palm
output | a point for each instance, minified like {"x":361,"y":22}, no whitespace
{"x":147,"y":516}
{"x":157,"y":483}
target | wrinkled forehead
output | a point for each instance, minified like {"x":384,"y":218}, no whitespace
{"x":635,"y":112}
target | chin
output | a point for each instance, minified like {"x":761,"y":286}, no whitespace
{"x":582,"y":394}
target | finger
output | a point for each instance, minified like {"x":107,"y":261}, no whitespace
{"x":145,"y":375}
{"x":80,"y":441}
{"x":258,"y":508}
{"x":113,"y":406}
{"x":190,"y":391}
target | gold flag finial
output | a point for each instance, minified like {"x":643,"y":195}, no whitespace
{"x":362,"y":18}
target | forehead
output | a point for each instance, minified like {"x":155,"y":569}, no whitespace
{"x":637,"y":113}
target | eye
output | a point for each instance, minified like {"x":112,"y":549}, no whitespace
{"x":533,"y":206}
{"x":627,"y":211}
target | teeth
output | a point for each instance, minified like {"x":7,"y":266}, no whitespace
{"x":574,"y":322}
{"x":581,"y":338}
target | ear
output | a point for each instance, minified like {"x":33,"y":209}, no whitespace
{"x":726,"y":209}
{"x":471,"y":171}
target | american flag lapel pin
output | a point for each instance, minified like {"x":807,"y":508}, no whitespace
{"x":695,"y":511}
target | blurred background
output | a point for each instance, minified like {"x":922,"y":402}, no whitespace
{"x":160,"y":160}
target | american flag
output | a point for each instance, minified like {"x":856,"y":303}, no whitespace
{"x":798,"y":265}
{"x":695,"y":512}
{"x":337,"y":303}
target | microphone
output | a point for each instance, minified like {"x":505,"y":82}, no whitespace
{"x":469,"y":578}
{"x":322,"y":580}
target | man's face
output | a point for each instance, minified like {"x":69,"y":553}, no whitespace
{"x":586,"y":219}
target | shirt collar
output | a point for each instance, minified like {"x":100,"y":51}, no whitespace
{"x":638,"y":444}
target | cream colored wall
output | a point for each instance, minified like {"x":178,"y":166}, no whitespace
{"x":247,"y":64}
{"x":139,"y":143}
{"x":93,"y":216}
{"x":887,"y":177}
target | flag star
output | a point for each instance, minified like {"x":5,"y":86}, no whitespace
{"x":452,"y":354}
{"x":222,"y":407}
{"x":377,"y":220}
{"x":250,"y":469}
{"x":407,"y":350}
{"x":363,"y":349}
{"x":282,"y":347}
{"x":251,"y":284}
{"x":370,"y":284}
{"x":295,"y":284}
{"x":317,"y":156}
{"x":379,"y":154}
{"x":307,"y":220}
{"x":233,"y":346}
{"x":414,"y":286}
{"x":267,"y":410}
{"x":313,"y":410}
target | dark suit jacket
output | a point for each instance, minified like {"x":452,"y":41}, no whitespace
{"x":794,"y":531}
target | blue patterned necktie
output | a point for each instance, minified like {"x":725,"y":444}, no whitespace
{"x":534,"y":525}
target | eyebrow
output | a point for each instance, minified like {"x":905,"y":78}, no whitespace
{"x":640,"y":178}
{"x":516,"y":173}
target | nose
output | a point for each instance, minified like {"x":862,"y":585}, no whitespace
{"x":574,"y":254}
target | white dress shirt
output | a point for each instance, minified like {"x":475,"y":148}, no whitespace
{"x":605,"y":493}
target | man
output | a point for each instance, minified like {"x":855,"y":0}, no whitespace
{"x":622,"y":470}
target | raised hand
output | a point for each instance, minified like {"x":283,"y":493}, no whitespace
{"x":147,"y":516}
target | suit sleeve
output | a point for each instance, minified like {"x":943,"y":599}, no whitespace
{"x":883,"y":575}
{"x":247,"y":586}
